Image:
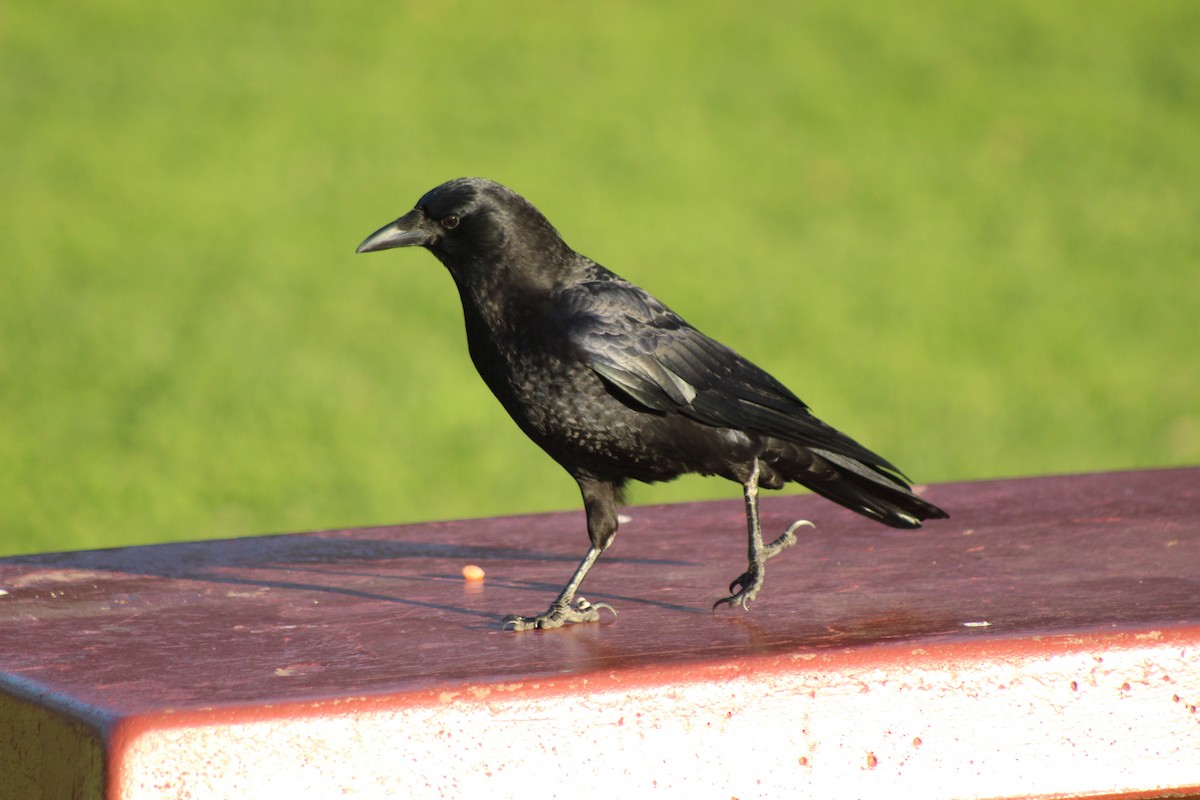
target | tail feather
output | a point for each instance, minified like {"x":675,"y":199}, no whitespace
{"x":869,"y":490}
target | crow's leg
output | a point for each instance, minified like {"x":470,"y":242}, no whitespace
{"x":565,"y":609}
{"x":600,"y":503}
{"x":745,"y":587}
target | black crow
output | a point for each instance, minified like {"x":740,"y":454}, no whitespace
{"x":614,"y":385}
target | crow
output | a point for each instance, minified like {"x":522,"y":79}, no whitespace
{"x":615,"y":386}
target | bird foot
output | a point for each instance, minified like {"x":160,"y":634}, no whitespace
{"x":560,"y":613}
{"x":745,"y":587}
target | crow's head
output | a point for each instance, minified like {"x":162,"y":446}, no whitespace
{"x":470,"y":222}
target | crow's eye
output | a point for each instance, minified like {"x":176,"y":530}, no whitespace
{"x":450,"y":222}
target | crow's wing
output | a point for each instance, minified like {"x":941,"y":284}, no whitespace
{"x":651,"y":355}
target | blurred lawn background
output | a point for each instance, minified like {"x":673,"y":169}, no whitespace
{"x":968,"y":234}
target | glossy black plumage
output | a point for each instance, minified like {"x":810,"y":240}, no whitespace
{"x":614,"y":385}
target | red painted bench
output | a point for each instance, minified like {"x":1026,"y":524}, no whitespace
{"x":1044,"y":641}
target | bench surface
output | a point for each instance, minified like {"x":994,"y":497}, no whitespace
{"x":1045,"y":640}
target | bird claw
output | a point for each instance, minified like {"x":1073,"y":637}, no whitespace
{"x":787,"y":538}
{"x":560,"y":613}
{"x":745,"y":587}
{"x":740,"y":582}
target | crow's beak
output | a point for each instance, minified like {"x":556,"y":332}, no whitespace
{"x":407,"y":231}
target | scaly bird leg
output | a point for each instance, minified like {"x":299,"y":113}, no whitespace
{"x":600,"y":505}
{"x":562,"y":611}
{"x":746,"y":586}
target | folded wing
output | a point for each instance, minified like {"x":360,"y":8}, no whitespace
{"x":655,"y":359}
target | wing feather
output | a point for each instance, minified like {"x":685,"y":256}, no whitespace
{"x":651,"y":355}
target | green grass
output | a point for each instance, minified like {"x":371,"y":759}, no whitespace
{"x":967,"y":234}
